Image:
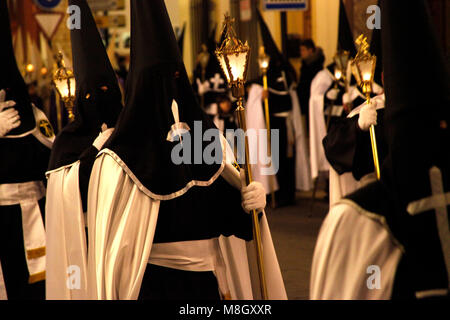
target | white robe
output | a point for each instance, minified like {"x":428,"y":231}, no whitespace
{"x":122,"y":217}
{"x":302,"y":167}
{"x":351,"y":245}
{"x":255,"y":119}
{"x":66,"y":236}
{"x":317,"y":127}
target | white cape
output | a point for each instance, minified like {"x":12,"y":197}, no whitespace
{"x":317,"y":128}
{"x":355,"y":256}
{"x":66,"y":237}
{"x":122,"y":217}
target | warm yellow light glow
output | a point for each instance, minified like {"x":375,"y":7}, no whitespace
{"x":30,"y":68}
{"x":367,"y":76}
{"x":63,"y":87}
{"x":44,"y":70}
{"x":338,"y":74}
{"x":263,"y":59}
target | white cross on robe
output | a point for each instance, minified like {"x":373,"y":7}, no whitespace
{"x":439,"y":200}
{"x":178,"y":128}
{"x":216,"y":81}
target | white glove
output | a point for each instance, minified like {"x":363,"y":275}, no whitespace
{"x":202,"y":87}
{"x":253,"y":195}
{"x":9,"y":118}
{"x":333,"y":94}
{"x":367,"y":116}
{"x":102,"y":137}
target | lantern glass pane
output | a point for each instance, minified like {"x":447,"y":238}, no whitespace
{"x":344,"y":61}
{"x":366,"y":68}
{"x":237,"y":65}
{"x":224,"y":67}
{"x":355,"y":72}
{"x":72,"y":86}
{"x":62,"y":87}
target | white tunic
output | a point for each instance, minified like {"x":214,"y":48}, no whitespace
{"x":66,"y":236}
{"x":122,"y":217}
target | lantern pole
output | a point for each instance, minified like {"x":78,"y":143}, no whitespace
{"x":264,"y":65}
{"x":233,"y":47}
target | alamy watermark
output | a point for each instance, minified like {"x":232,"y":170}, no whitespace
{"x":374,"y":20}
{"x":374,"y":280}
{"x":74,"y":19}
{"x":73,"y":281}
{"x":190,"y":148}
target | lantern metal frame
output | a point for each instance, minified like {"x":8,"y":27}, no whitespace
{"x":233,"y":46}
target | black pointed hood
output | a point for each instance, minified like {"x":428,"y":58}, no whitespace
{"x":10,"y":78}
{"x":181,"y":38}
{"x":98,"y":96}
{"x":345,"y":36}
{"x":277,"y":62}
{"x":157,"y":77}
{"x":417,"y":100}
{"x":213,"y":66}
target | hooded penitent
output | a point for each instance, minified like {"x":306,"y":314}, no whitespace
{"x":25,"y":149}
{"x":280,"y":74}
{"x":212,"y":73}
{"x":10,"y":78}
{"x":417,"y":123}
{"x":345,"y":35}
{"x":98,"y":96}
{"x":159,"y":98}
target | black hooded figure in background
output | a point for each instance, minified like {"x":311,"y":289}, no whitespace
{"x":391,"y":238}
{"x":159,"y":210}
{"x":26,"y":137}
{"x":210,"y":85}
{"x":97,"y":107}
{"x":285,"y":117}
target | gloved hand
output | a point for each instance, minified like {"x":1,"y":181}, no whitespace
{"x":332,"y":94}
{"x":253,"y":195}
{"x":367,"y":116}
{"x":102,"y":137}
{"x":202,"y":87}
{"x":9,"y":118}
